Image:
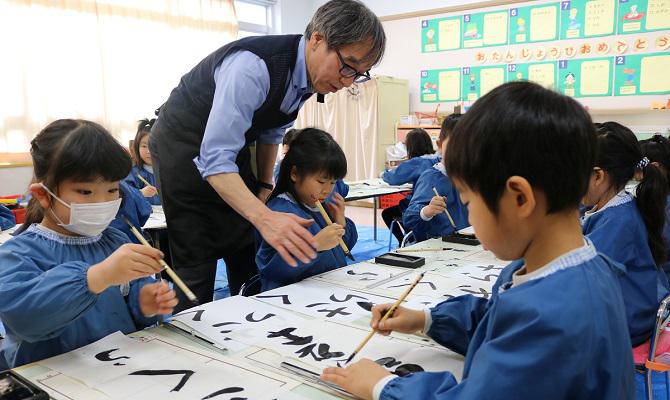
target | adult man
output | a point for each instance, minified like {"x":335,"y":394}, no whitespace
{"x":248,"y":91}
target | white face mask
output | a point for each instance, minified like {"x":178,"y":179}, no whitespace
{"x":87,"y":219}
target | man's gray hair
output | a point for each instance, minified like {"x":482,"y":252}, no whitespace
{"x":344,"y":22}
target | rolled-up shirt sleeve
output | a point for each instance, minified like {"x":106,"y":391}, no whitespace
{"x":242,"y":85}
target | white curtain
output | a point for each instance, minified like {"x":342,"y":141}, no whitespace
{"x":350,"y":115}
{"x":111,"y":61}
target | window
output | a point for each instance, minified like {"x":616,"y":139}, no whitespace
{"x":254,"y":17}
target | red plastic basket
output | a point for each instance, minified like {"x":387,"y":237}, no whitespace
{"x":390,"y":200}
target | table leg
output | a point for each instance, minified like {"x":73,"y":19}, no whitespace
{"x":374,"y":201}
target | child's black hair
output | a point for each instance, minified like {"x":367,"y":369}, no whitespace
{"x":448,"y":125}
{"x":288,"y":136}
{"x":312,"y":151}
{"x":523,"y":129}
{"x":418,"y":143}
{"x":657,"y":149}
{"x":619,"y":155}
{"x":143,"y":129}
{"x":74,"y":149}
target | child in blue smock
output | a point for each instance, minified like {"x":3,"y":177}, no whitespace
{"x":657,"y":150}
{"x":134,"y":207}
{"x":425,"y":216}
{"x":7,"y":219}
{"x":143,"y":165}
{"x":308,"y":174}
{"x":68,"y":279}
{"x":554,"y":326}
{"x":340,"y":187}
{"x":629,"y":229}
{"x":420,"y":157}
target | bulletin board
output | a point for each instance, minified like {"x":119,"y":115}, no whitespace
{"x":607,"y":53}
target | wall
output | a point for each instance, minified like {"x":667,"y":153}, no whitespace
{"x":385,"y":8}
{"x":403,"y":59}
{"x":14,"y":180}
{"x":294,"y":15}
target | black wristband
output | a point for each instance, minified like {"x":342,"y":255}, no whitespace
{"x":266,"y":185}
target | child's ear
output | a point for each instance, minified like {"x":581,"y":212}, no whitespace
{"x":294,"y":174}
{"x":522,"y":194}
{"x":40,"y":195}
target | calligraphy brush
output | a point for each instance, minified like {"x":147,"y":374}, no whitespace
{"x":329,"y":222}
{"x":144,"y":180}
{"x":451,"y":220}
{"x":389,"y":312}
{"x":401,"y":250}
{"x":170,"y":271}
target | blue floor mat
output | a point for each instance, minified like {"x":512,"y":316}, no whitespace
{"x":366,"y":248}
{"x":658,"y":386}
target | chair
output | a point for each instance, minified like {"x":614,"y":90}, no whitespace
{"x":408,"y":239}
{"x":394,"y":223}
{"x":655,"y":363}
{"x":251,"y":287}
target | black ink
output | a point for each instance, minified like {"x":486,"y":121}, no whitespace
{"x":487,"y":278}
{"x":224,"y":391}
{"x":152,"y":372}
{"x":315,"y":304}
{"x":489,"y":267}
{"x":366,"y":305}
{"x":323,"y":352}
{"x":481,"y":291}
{"x":346,"y":298}
{"x":432,"y":285}
{"x":196,"y":317}
{"x":284,"y":297}
{"x":294,"y":340}
{"x":105,"y":356}
{"x":332,"y":313}
{"x":407,"y":369}
{"x":351,"y":272}
{"x":388,"y":362}
{"x":224,"y":324}
{"x":250,"y":317}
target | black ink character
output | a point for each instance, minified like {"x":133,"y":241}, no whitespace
{"x":366,"y":305}
{"x":294,"y":340}
{"x":153,"y":372}
{"x":332,"y":313}
{"x":402,"y":370}
{"x":105,"y":356}
{"x":228,"y":390}
{"x":481,"y":291}
{"x":284,"y":297}
{"x":323,"y":352}
{"x":431,"y":284}
{"x":487,"y":278}
{"x":250,"y":317}
{"x":196,"y":317}
{"x":224,"y":324}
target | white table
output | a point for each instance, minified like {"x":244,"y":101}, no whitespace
{"x":440,"y":266}
{"x":373,"y":188}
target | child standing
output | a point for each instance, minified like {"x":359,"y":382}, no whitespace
{"x":558,"y":305}
{"x":68,"y":279}
{"x":143,"y":165}
{"x":629,"y":229}
{"x":308,"y":174}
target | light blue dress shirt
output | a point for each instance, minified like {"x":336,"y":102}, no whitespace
{"x":242,"y":86}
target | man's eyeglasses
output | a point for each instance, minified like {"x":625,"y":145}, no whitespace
{"x":347,"y":71}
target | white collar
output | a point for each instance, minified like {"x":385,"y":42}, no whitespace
{"x":440,"y":167}
{"x":287,"y":196}
{"x":622,"y":197}
{"x":570,"y":259}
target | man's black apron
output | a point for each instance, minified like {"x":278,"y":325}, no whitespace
{"x":201,"y":226}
